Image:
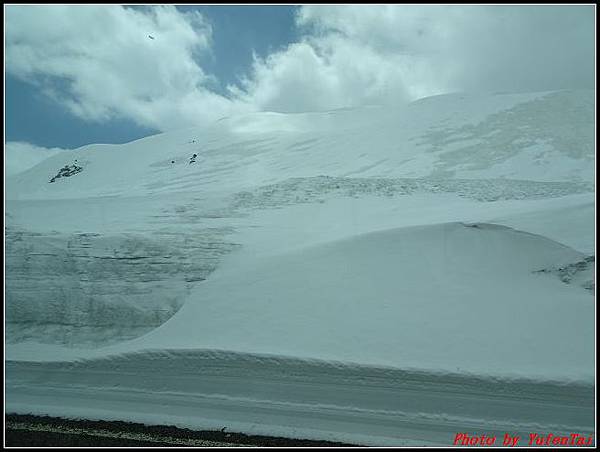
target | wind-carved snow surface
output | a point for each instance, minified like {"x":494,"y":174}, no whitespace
{"x":550,"y":125}
{"x":385,"y":276}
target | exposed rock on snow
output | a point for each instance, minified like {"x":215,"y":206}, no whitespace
{"x":67,"y":171}
{"x":580,"y":273}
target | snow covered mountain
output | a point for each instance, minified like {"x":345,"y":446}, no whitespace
{"x":541,"y":137}
{"x":402,"y":250}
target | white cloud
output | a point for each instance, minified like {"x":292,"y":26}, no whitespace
{"x":100,"y":62}
{"x":326,"y":73}
{"x":354,"y":54}
{"x":20,"y":156}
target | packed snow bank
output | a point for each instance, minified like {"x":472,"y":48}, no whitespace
{"x":441,"y":298}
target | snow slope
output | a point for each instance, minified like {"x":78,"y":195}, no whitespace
{"x":19,"y":156}
{"x":437,"y":258}
{"x":443,"y":137}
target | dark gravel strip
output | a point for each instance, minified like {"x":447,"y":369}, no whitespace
{"x":29,"y":430}
{"x":29,"y":438}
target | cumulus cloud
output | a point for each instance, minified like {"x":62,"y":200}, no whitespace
{"x":326,"y":73}
{"x":100,"y":62}
{"x":20,"y":156}
{"x":352,"y":54}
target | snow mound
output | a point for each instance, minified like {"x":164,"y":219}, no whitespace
{"x":438,"y":297}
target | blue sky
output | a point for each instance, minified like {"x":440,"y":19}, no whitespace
{"x":90,"y":74}
{"x":238,"y":32}
{"x":36,"y":119}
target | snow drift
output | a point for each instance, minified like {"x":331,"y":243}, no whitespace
{"x":439,"y":297}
